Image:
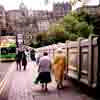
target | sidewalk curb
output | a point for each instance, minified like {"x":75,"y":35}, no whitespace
{"x":5,"y":79}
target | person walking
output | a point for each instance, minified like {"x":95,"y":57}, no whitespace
{"x":44,"y":76}
{"x":27,"y":54}
{"x":58,"y":67}
{"x":24,"y":61}
{"x":38,"y":55}
{"x":32,"y":55}
{"x":18,"y":60}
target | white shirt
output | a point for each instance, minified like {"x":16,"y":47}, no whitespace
{"x":44,"y":64}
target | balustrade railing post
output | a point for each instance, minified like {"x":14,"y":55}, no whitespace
{"x":67,"y":55}
{"x":98,"y":72}
{"x":79,"y":58}
{"x":90,"y":67}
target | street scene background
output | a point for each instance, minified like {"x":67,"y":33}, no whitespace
{"x":28,"y":29}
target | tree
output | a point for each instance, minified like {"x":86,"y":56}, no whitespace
{"x":69,"y":23}
{"x":70,"y":27}
{"x":72,"y":2}
{"x":76,"y":25}
{"x":57,"y":30}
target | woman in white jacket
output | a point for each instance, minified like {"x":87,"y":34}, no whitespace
{"x":44,"y":76}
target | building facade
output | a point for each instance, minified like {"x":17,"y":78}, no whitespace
{"x":27,"y":23}
{"x":2,"y":19}
{"x":90,"y":9}
{"x":89,"y":5}
{"x":61,"y":9}
{"x":13,"y":17}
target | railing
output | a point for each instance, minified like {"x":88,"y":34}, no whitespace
{"x":83,"y":59}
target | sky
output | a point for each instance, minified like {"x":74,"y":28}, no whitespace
{"x":31,"y":4}
{"x":36,"y":4}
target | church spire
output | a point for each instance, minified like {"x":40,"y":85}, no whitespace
{"x":22,"y":5}
{"x":23,"y":8}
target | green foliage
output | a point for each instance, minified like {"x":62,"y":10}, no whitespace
{"x":83,"y":29}
{"x":51,"y":40}
{"x":41,"y":36}
{"x":76,"y":25}
{"x":56,"y":29}
{"x":71,"y":27}
{"x":56,"y":32}
{"x":69,"y":23}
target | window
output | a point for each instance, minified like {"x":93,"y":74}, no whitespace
{"x":8,"y":50}
{"x":12,"y":50}
{"x":4,"y":51}
{"x":3,"y":32}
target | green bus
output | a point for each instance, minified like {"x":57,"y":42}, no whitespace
{"x":7,"y":47}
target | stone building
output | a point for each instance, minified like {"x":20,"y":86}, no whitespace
{"x":13,"y":18}
{"x":42,"y":18}
{"x":39,"y":20}
{"x":89,"y":5}
{"x":23,"y":9}
{"x":43,"y":25}
{"x":90,"y":9}
{"x":61,"y":9}
{"x":27,"y":23}
{"x":2,"y":19}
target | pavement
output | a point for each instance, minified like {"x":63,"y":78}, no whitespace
{"x":8,"y":69}
{"x":68,"y":93}
{"x":22,"y":87}
{"x":4,"y":68}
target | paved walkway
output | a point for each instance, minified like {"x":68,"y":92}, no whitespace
{"x":22,"y":88}
{"x":4,"y":68}
{"x":21,"y":85}
{"x":4,"y":84}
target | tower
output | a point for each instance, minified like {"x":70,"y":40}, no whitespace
{"x":23,"y":8}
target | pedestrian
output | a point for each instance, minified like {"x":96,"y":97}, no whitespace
{"x":58,"y":67}
{"x":18,"y":60}
{"x":44,"y":76}
{"x":24,"y":61}
{"x":37,"y":57}
{"x":32,"y":55}
{"x":27,"y":54}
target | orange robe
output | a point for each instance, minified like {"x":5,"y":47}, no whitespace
{"x":58,"y":66}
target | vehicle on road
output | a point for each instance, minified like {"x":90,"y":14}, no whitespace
{"x":7,"y":46}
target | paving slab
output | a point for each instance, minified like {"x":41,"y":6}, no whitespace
{"x":68,"y":93}
{"x":22,"y":87}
